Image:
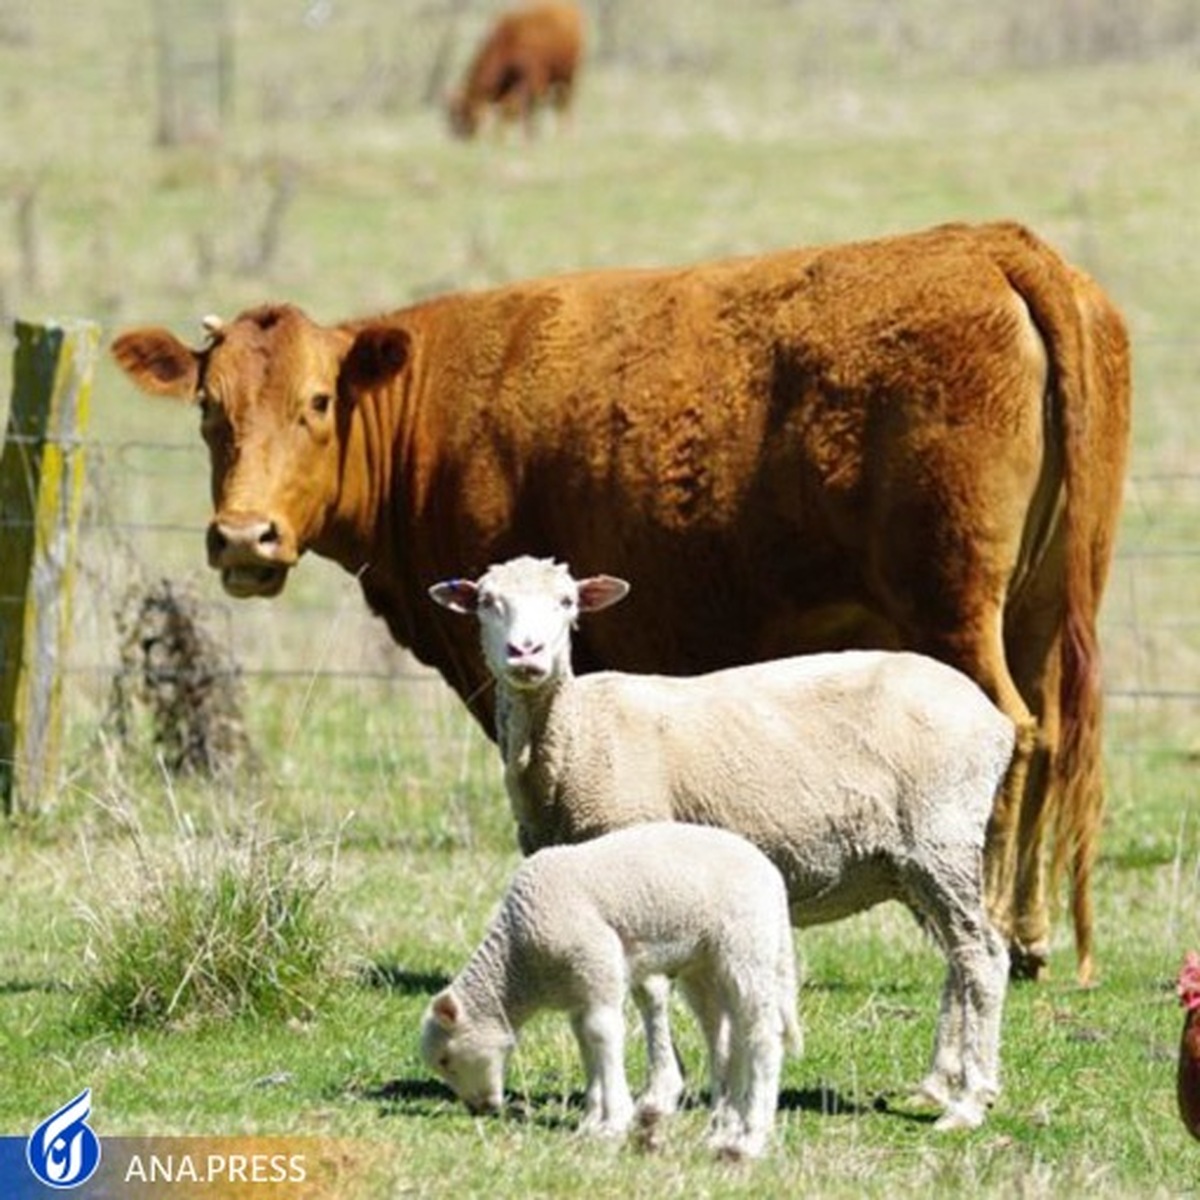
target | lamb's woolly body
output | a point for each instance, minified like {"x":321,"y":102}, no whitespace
{"x":581,"y":925}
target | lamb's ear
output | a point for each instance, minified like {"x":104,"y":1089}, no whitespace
{"x":447,"y":1010}
{"x":601,"y":591}
{"x":458,"y":595}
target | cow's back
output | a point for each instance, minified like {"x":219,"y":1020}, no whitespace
{"x":762,"y":420}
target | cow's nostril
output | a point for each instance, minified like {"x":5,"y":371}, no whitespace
{"x":270,"y":535}
{"x":216,"y":540}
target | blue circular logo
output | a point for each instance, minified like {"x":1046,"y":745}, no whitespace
{"x":62,"y":1151}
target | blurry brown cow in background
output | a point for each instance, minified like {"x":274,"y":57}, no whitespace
{"x":529,"y":57}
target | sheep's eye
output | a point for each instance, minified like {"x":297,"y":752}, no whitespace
{"x":567,"y":602}
{"x":488,"y":601}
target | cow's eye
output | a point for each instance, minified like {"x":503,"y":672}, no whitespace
{"x":321,"y":402}
{"x":210,"y":409}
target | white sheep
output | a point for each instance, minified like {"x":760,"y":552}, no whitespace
{"x":864,"y":776}
{"x":581,"y":925}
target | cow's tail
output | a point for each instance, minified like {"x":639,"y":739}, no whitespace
{"x":1089,"y":388}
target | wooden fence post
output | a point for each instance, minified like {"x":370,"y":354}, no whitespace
{"x":41,"y":487}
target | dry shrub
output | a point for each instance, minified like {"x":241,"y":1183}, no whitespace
{"x":175,"y":678}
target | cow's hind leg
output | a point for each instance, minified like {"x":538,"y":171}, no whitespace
{"x":978,"y":651}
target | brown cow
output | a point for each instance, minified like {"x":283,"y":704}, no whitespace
{"x":529,"y":57}
{"x":918,"y":441}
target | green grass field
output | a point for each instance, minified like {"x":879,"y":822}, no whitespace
{"x":699,"y":132}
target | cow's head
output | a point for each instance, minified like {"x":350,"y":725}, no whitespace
{"x":276,"y":394}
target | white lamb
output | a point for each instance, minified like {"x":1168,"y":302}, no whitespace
{"x":864,"y":776}
{"x":582,"y":924}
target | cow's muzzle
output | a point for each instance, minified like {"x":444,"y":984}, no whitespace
{"x":252,"y":553}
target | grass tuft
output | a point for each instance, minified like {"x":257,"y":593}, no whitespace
{"x":214,"y":928}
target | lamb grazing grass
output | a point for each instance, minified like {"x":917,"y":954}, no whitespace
{"x":581,"y":924}
{"x":864,"y":776}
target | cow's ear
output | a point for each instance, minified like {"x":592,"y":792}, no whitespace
{"x":378,"y":354}
{"x":601,"y":591}
{"x":158,"y":362}
{"x":458,"y":595}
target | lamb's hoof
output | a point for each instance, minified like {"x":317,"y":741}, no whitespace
{"x":737,"y":1149}
{"x":610,"y":1129}
{"x":960,"y":1116}
{"x":647,"y":1131}
{"x":660,"y":1102}
{"x":932,"y":1092}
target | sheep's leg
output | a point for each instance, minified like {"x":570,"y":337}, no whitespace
{"x":664,"y":1082}
{"x":946,"y":1071}
{"x":982,"y":966}
{"x":964,"y":1077}
{"x":600,"y":1032}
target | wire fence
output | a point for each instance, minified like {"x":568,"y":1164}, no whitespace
{"x":317,"y":651}
{"x":320,"y":627}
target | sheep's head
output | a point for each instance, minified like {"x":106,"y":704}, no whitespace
{"x":526,"y":609}
{"x":467,"y":1055}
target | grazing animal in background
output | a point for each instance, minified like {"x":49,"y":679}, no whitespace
{"x":917,"y":442}
{"x":864,"y":776}
{"x":530,"y":57}
{"x":1188,"y":1082}
{"x":580,"y":924}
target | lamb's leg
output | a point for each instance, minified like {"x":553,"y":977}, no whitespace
{"x":754,"y":1067}
{"x":600,"y":1032}
{"x":664,"y":1082}
{"x":700,"y":993}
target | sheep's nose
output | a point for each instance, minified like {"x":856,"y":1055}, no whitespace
{"x":526,"y":648}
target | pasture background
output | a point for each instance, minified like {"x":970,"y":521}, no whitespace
{"x":702,"y":129}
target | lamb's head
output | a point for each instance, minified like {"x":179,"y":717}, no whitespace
{"x":526,"y":609}
{"x":468,"y":1055}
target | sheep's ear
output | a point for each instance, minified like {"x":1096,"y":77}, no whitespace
{"x":601,"y":591}
{"x":447,"y":1010}
{"x":458,"y":595}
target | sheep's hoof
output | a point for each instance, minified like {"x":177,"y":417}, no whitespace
{"x":1028,"y":964}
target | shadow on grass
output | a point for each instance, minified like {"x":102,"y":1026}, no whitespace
{"x":19,"y":987}
{"x":394,"y":978}
{"x":554,"y":1111}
